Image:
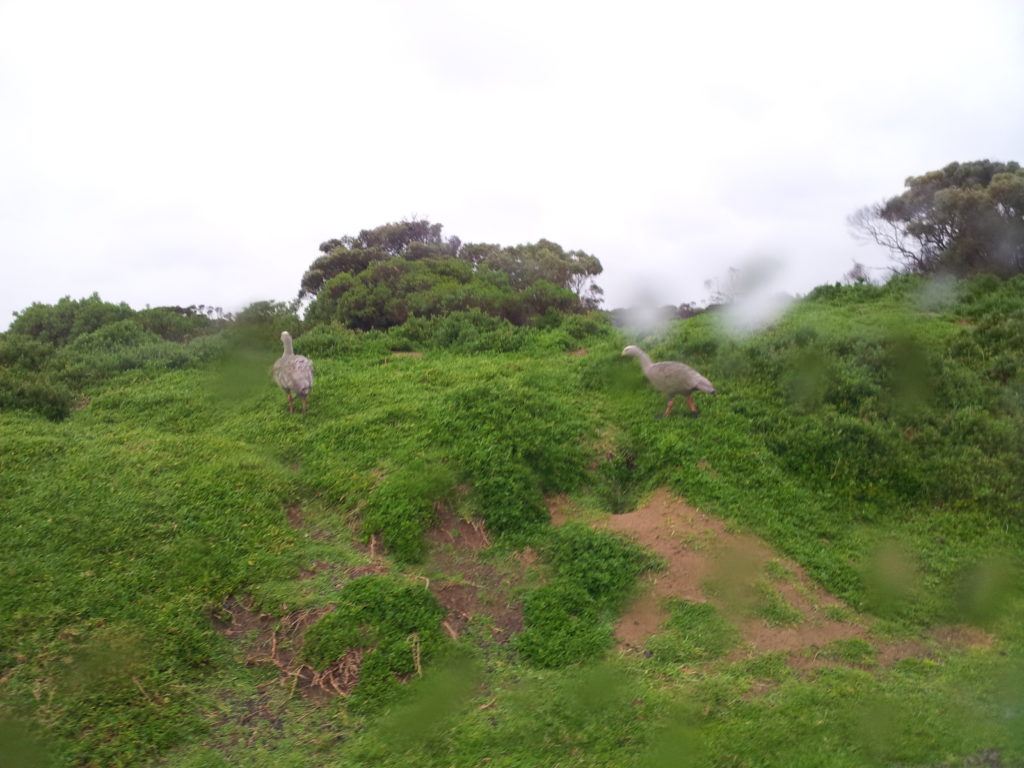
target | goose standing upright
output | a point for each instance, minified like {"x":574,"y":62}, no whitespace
{"x":671,"y":379}
{"x":293,"y":373}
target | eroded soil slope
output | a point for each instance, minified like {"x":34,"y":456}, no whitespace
{"x":739,"y":573}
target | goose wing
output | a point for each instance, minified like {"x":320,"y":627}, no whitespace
{"x":294,"y":373}
{"x":671,"y":378}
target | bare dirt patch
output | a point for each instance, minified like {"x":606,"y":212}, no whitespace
{"x":268,"y":639}
{"x":560,"y":509}
{"x":265,"y":638}
{"x":708,"y":562}
{"x":470,"y":588}
{"x":701,"y":553}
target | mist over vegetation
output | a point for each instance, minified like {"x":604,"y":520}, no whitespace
{"x":194,"y":576}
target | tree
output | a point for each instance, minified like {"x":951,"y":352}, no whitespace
{"x":65,"y":321}
{"x":340,"y":259}
{"x":412,"y":240}
{"x":965,"y":218}
{"x":545,"y":260}
{"x":390,"y":292}
{"x":477,"y":253}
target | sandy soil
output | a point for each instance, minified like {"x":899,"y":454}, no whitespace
{"x":703,"y":555}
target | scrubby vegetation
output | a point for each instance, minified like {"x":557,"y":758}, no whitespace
{"x":873,"y":435}
{"x":385,"y":276}
{"x":397,"y":626}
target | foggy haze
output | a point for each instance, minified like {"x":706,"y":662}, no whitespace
{"x":198,"y":153}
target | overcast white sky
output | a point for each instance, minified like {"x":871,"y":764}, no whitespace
{"x":198,"y":151}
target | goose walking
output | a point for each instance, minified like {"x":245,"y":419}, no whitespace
{"x":671,"y":379}
{"x":293,"y":373}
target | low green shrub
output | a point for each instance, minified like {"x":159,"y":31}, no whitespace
{"x":124,"y":346}
{"x":514,"y":438}
{"x":336,"y":341}
{"x":259,"y":325}
{"x":474,"y":331}
{"x":604,"y":564}
{"x":177,"y":323}
{"x":395,"y":624}
{"x":509,"y":500}
{"x":565,"y":621}
{"x":401,"y":508}
{"x":561,"y":626}
{"x":465,"y":331}
{"x":589,"y":327}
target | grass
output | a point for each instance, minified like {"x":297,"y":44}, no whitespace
{"x":129,"y":523}
{"x":694,"y":632}
{"x":773,"y":608}
{"x":851,"y":651}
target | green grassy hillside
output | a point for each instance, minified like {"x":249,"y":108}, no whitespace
{"x":875,"y":435}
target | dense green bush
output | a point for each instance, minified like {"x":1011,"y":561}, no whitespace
{"x":65,"y":321}
{"x":177,"y":323}
{"x":395,"y":624}
{"x":52,"y":353}
{"x":476,"y":331}
{"x":25,"y":382}
{"x":326,"y":341}
{"x":124,"y":346}
{"x":389,"y":292}
{"x":29,"y":391}
{"x":259,"y":325}
{"x":24,"y":352}
{"x":461,"y":331}
{"x":588,"y":327}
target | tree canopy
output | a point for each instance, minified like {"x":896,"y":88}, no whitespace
{"x":389,"y":292}
{"x":412,"y":240}
{"x":543,"y":260}
{"x":383,"y":276}
{"x":966,"y":218}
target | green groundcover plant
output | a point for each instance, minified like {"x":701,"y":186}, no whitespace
{"x":150,"y":472}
